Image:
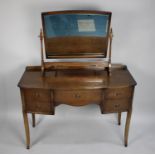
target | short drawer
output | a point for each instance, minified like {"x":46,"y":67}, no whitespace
{"x":37,"y":100}
{"x":116,"y":105}
{"x":77,"y":97}
{"x":118,"y":93}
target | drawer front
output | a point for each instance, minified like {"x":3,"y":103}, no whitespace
{"x":116,"y":105}
{"x":118,"y":93}
{"x":77,"y":97}
{"x":37,"y":100}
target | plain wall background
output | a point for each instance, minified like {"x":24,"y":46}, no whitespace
{"x":133,"y":24}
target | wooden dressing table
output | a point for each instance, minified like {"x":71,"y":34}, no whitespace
{"x":76,"y":34}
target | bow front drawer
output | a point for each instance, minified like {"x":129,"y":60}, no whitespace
{"x":77,"y":97}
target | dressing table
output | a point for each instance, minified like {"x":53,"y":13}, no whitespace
{"x":76,"y":68}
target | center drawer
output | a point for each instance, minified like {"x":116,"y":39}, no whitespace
{"x":77,"y":97}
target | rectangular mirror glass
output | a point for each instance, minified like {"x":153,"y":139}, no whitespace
{"x":76,"y":34}
{"x":76,"y":25}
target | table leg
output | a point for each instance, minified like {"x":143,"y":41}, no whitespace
{"x":27,"y":132}
{"x":119,"y":118}
{"x":33,"y":120}
{"x":128,"y":118}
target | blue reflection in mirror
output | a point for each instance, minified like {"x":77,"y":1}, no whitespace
{"x":76,"y":25}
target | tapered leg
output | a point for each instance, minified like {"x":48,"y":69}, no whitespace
{"x":119,"y":118}
{"x":26,"y":124}
{"x":33,"y":120}
{"x":127,"y":127}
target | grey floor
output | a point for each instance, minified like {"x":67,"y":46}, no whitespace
{"x":78,"y":130}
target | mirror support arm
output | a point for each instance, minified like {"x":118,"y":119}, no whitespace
{"x":42,"y":55}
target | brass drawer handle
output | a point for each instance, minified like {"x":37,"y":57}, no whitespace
{"x":118,"y":94}
{"x":77,"y":96}
{"x":38,"y":106}
{"x":37,"y":95}
{"x":117,"y":105}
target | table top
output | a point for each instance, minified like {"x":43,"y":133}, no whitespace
{"x":75,"y":79}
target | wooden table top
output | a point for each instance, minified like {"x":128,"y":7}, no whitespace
{"x":75,"y":79}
